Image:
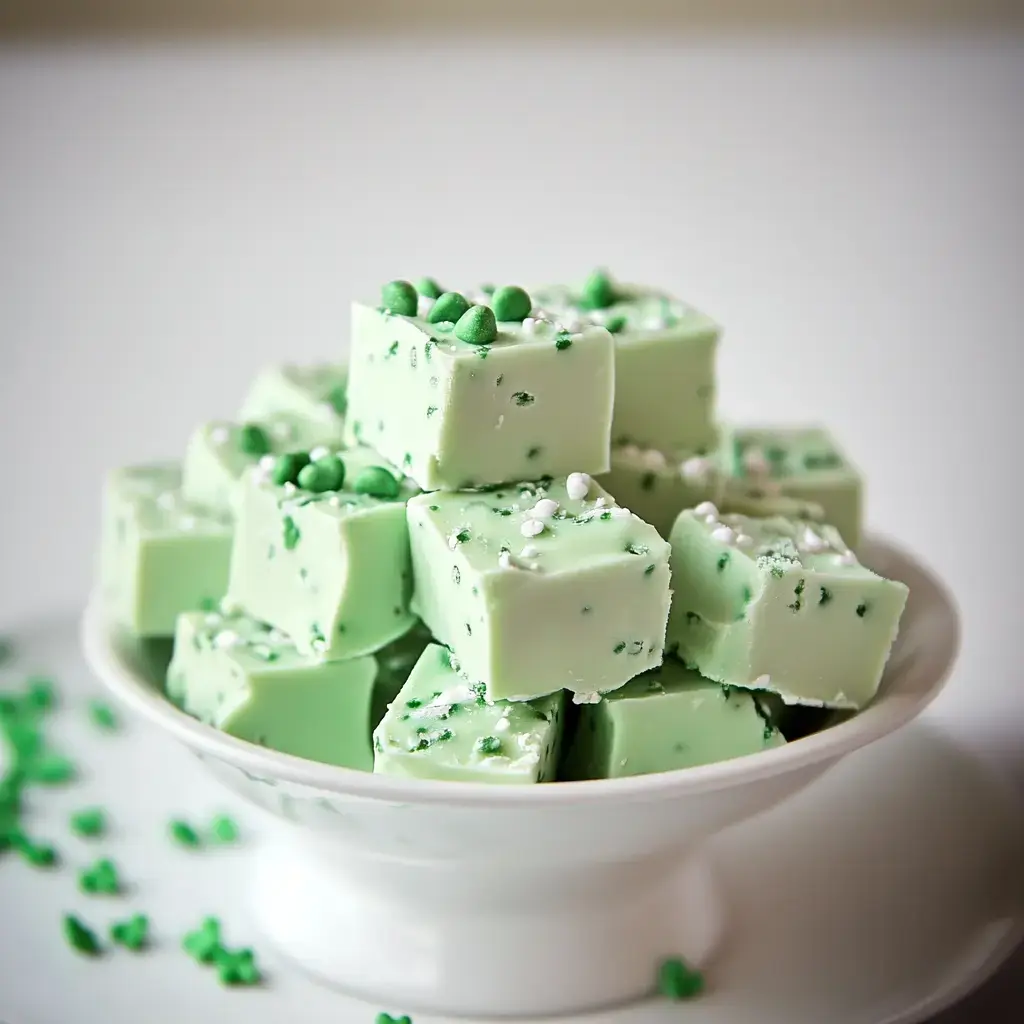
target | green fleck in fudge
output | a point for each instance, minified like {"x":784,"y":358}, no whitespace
{"x":315,"y":396}
{"x":248,"y":680}
{"x":441,"y":727}
{"x":461,"y":394}
{"x":219,"y":453}
{"x":792,"y":471}
{"x":159,"y":555}
{"x":668,"y":718}
{"x":782,"y":605}
{"x":658,"y":486}
{"x":321,"y":551}
{"x":540,"y":586}
{"x":664,"y":360}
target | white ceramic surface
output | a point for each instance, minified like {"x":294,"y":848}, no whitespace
{"x":445,"y":897}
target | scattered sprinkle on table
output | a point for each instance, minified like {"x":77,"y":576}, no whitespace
{"x":80,"y":937}
{"x":48,"y":769}
{"x":224,"y":829}
{"x":182,"y":832}
{"x":100,"y":879}
{"x":237,"y":967}
{"x":133,"y":933}
{"x":676,"y":981}
{"x":39,"y":855}
{"x":385,"y":1018}
{"x":103,"y":715}
{"x":203,"y":943}
{"x":89,"y":823}
{"x":41,"y":692}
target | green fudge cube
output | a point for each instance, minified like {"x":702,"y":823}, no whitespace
{"x":453,"y":414}
{"x":664,"y":361}
{"x":670,"y":717}
{"x":219,"y":453}
{"x":248,"y":680}
{"x":159,"y":555}
{"x":316,"y":396}
{"x":658,"y":486}
{"x":328,"y":568}
{"x":539,"y":587}
{"x":782,"y":605}
{"x":394,"y":663}
{"x":792,"y":471}
{"x":441,"y":727}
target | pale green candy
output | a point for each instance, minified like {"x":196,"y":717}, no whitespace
{"x":439,"y":727}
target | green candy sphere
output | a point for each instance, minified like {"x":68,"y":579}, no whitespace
{"x":399,"y":297}
{"x":429,"y":288}
{"x":253,"y":440}
{"x":287,"y":468}
{"x":326,"y":474}
{"x":477,"y":326}
{"x":377,"y":482}
{"x":510,"y":302}
{"x":449,"y":307}
{"x":598,"y":291}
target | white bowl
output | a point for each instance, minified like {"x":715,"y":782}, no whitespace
{"x":466,"y":899}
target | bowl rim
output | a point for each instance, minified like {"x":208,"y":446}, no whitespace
{"x":902,"y":699}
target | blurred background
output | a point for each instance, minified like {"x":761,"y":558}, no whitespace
{"x":190,"y":190}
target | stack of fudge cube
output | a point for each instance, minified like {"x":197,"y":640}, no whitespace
{"x":510,"y":542}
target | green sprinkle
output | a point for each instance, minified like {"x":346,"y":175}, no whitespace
{"x":862,"y":610}
{"x":182,"y":832}
{"x":337,"y":398}
{"x":637,"y":549}
{"x":103,"y":715}
{"x":431,"y":409}
{"x":822,"y":460}
{"x":377,"y":482}
{"x":384,"y":1018}
{"x":676,"y":981}
{"x":463,"y":536}
{"x":586,"y":609}
{"x":48,"y":769}
{"x":598,"y":291}
{"x":563,"y":340}
{"x":253,"y":440}
{"x":428,"y":288}
{"x":449,"y":308}
{"x":483,"y":351}
{"x":42,"y":694}
{"x":615,"y":324}
{"x":237,"y":967}
{"x":90,"y":823}
{"x":488,"y":745}
{"x":723,"y":561}
{"x":523,"y":398}
{"x":399,"y":297}
{"x":647,"y":481}
{"x":748,"y":595}
{"x":326,"y":474}
{"x":619,"y":647}
{"x":499,"y":379}
{"x":392,"y":350}
{"x":287,"y":468}
{"x":510,"y":302}
{"x":825,"y":596}
{"x":291,"y":533}
{"x":133,"y":933}
{"x":203,"y":944}
{"x":79,"y":937}
{"x":100,"y":879}
{"x":477,"y":326}
{"x":224,"y":829}
{"x":532,"y":453}
{"x":39,"y":855}
{"x":691,"y":618}
{"x":649,"y":569}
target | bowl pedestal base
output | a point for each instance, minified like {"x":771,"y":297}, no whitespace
{"x":413,"y":936}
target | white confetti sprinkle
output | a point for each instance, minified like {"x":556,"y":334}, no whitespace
{"x":724,"y":535}
{"x":705,"y":508}
{"x":529,"y":551}
{"x":621,"y":513}
{"x":531,"y":527}
{"x":630,"y":451}
{"x":697,"y":468}
{"x":267,"y":463}
{"x":577,"y":486}
{"x":505,"y":560}
{"x":544,"y":509}
{"x":586,"y":698}
{"x":289,"y":487}
{"x":600,"y":502}
{"x":743,"y":540}
{"x":653,"y":459}
{"x":502,"y":725}
{"x":334,"y":501}
{"x":762,"y":682}
{"x":811,"y":542}
{"x":711,"y":520}
{"x":220,"y":435}
{"x":424,"y":305}
{"x":321,"y":451}
{"x":847,"y":558}
{"x":226,"y":638}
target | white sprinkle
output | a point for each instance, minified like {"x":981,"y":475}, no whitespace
{"x":586,"y":698}
{"x":529,"y":551}
{"x":532,"y":324}
{"x":423,"y":306}
{"x":573,"y":325}
{"x":705,"y":508}
{"x":630,"y":451}
{"x":502,"y":725}
{"x":267,"y":463}
{"x":755,"y":463}
{"x":319,"y":452}
{"x":219,"y":435}
{"x":289,"y":487}
{"x":743,"y":540}
{"x":600,"y":502}
{"x":531,"y":527}
{"x":724,"y":535}
{"x":282,"y":431}
{"x":654,"y":323}
{"x":544,"y":509}
{"x":621,"y":513}
{"x":653,"y":459}
{"x":711,"y":520}
{"x":229,"y":607}
{"x":696,"y":468}
{"x":334,"y":501}
{"x":501,"y":420}
{"x":505,"y":560}
{"x":811,"y":542}
{"x":577,"y":486}
{"x":762,"y":682}
{"x":847,"y":558}
{"x":187,"y":522}
{"x":226,"y":638}
{"x":167,"y":500}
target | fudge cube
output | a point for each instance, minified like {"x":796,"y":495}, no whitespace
{"x":658,"y":486}
{"x":219,"y":453}
{"x":159,"y":554}
{"x":248,"y":680}
{"x":542,"y":586}
{"x":793,"y":472}
{"x":328,"y":563}
{"x":781,"y":605}
{"x":664,"y":360}
{"x":315,"y":396}
{"x":518,"y":402}
{"x":441,"y":727}
{"x":394,"y":664}
{"x":670,"y":717}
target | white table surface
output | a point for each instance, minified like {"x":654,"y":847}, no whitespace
{"x":173,"y":218}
